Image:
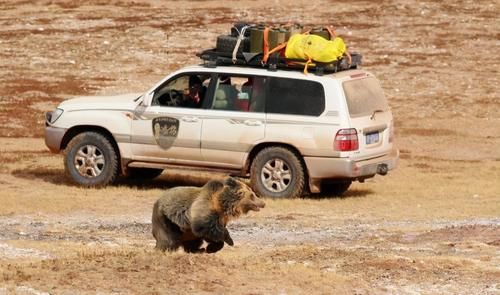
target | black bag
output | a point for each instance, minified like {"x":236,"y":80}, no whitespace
{"x":226,"y":43}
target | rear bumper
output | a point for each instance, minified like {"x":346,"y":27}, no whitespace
{"x":324,"y":168}
{"x":53,"y":138}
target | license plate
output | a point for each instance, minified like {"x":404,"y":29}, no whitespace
{"x":372,"y":138}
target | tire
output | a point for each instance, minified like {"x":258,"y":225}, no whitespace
{"x":225,"y":45}
{"x":91,"y":160}
{"x":277,"y":172}
{"x":336,"y":189}
{"x":143,"y":173}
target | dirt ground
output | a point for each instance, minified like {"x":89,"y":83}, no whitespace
{"x":430,"y":227}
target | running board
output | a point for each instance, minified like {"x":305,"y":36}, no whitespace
{"x":137,"y":164}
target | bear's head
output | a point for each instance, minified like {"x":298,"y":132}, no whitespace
{"x":236,"y":198}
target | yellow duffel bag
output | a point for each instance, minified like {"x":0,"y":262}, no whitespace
{"x":312,"y":47}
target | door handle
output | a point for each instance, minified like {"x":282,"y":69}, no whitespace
{"x":189,"y":119}
{"x":252,"y":122}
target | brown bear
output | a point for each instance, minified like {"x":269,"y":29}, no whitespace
{"x":187,"y":216}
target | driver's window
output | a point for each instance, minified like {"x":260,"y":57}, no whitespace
{"x":186,"y":91}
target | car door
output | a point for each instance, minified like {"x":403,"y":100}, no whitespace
{"x":235,"y":121}
{"x":169,"y":130}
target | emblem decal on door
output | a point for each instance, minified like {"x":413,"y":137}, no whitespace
{"x":165,"y":130}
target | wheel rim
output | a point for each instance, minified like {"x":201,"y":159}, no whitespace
{"x":89,"y":161}
{"x":276,"y":175}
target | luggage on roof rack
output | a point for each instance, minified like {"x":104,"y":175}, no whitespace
{"x":261,"y":46}
{"x":213,"y":58}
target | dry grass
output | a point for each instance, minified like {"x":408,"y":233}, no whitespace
{"x":406,"y":232}
{"x":429,"y":227}
{"x":128,"y":266}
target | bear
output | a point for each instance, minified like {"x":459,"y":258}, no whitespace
{"x":188,"y":216}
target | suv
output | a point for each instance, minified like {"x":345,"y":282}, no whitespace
{"x":288,"y":132}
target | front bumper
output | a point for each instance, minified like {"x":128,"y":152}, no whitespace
{"x":53,"y":138}
{"x":329,"y":168}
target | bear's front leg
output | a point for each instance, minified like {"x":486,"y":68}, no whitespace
{"x":209,"y":228}
{"x":193,"y":246}
{"x":213,"y":247}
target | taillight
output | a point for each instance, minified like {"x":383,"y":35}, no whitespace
{"x":346,"y":140}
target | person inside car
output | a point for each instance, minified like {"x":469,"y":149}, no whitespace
{"x":229,"y":90}
{"x":193,"y":96}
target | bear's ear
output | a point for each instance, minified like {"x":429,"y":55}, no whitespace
{"x":231,"y":182}
{"x":214,"y":185}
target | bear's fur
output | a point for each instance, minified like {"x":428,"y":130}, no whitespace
{"x":187,"y":216}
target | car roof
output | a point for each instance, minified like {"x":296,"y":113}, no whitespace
{"x":341,"y":75}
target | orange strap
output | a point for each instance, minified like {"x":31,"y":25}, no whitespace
{"x":309,"y":60}
{"x":348,"y":56}
{"x":266,"y":41}
{"x":275,"y":49}
{"x":332,"y":32}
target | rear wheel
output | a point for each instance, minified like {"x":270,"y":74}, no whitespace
{"x":277,"y":172}
{"x":91,"y":160}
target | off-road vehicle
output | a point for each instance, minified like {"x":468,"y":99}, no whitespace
{"x":290,"y":133}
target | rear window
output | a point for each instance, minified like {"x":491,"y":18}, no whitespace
{"x":295,"y":97}
{"x":364,"y":96}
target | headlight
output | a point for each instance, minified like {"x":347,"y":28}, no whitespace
{"x":52,"y":117}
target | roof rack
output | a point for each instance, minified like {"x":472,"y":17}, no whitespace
{"x":213,"y":58}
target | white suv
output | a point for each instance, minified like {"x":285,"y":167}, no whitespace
{"x":289,"y":132}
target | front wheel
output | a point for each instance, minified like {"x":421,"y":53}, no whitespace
{"x":277,"y":172}
{"x":91,"y":160}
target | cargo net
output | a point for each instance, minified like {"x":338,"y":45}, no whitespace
{"x":285,"y":47}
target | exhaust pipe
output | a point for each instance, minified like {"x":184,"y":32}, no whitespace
{"x":382,"y":169}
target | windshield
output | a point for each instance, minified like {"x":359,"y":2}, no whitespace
{"x":364,"y":96}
